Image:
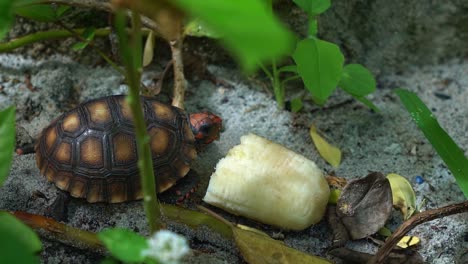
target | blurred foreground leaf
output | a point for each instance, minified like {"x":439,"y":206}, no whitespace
{"x":7,"y":141}
{"x":6,"y":16}
{"x":448,"y":150}
{"x":403,"y":195}
{"x":257,"y":248}
{"x":249,"y":28}
{"x":329,"y":152}
{"x":39,"y":12}
{"x":124,"y":244}
{"x":320,"y":65}
{"x":18,"y":243}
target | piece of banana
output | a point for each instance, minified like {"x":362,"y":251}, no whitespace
{"x":267,"y":182}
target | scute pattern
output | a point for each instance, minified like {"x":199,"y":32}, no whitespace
{"x":90,"y":151}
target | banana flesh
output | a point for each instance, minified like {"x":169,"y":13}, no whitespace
{"x":267,"y":182}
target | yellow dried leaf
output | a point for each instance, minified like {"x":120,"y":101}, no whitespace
{"x":258,"y":249}
{"x":149,"y":49}
{"x":329,"y":152}
{"x":403,"y":195}
{"x":408,"y":241}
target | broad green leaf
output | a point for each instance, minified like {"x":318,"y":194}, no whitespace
{"x":124,"y":244}
{"x":448,"y":150}
{"x":148,"y":51}
{"x":88,"y":35}
{"x":18,"y":243}
{"x":6,"y":17}
{"x":259,"y":248}
{"x":357,"y":80}
{"x":250,"y":30}
{"x":296,"y":104}
{"x":320,"y":65}
{"x":7,"y":141}
{"x":328,"y":152}
{"x":313,"y":7}
{"x":403,"y":195}
{"x":196,"y":28}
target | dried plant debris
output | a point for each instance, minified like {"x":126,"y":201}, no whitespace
{"x":365,"y":205}
{"x":258,"y":248}
{"x":400,"y":257}
{"x":328,"y":152}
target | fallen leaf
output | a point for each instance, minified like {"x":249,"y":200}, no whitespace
{"x":365,"y":205}
{"x":149,"y":49}
{"x":384,"y":232}
{"x":258,"y":248}
{"x":329,"y":152}
{"x":408,"y":241}
{"x":403,"y":195}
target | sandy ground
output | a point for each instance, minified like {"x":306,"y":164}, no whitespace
{"x":387,"y":142}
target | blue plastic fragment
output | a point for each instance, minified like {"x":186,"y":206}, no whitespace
{"x":419,"y":179}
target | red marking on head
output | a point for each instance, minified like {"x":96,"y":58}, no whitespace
{"x":206,"y":127}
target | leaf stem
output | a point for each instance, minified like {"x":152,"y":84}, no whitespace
{"x":415,"y":220}
{"x":278,"y":87}
{"x":131,"y":56}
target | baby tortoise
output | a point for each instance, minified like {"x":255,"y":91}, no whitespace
{"x":90,"y":151}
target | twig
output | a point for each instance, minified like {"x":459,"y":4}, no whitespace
{"x":417,"y":219}
{"x":103,"y":6}
{"x":179,"y":78}
{"x":51,"y":229}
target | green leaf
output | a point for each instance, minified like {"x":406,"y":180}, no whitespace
{"x":6,"y":17}
{"x":288,"y":68}
{"x":7,"y":141}
{"x":88,"y":35}
{"x":403,"y":195}
{"x":320,"y":65}
{"x":197,"y":28}
{"x":249,"y":29}
{"x":40,"y":12}
{"x":448,"y":150}
{"x":357,"y":80}
{"x":124,"y":244}
{"x":18,"y":243}
{"x":313,"y":7}
{"x":367,"y":103}
{"x":296,"y":104}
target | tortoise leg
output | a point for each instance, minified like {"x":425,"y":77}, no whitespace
{"x":59,"y":207}
{"x":26,"y":149}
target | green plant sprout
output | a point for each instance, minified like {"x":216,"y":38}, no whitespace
{"x":448,"y":150}
{"x":320,"y":65}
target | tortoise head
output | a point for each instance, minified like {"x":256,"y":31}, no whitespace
{"x":206,"y":127}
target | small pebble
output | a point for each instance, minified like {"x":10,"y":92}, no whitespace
{"x":419,"y":179}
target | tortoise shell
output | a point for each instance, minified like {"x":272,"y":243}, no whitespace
{"x":90,"y":151}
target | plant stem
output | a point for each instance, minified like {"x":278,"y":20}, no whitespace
{"x":179,"y":78}
{"x":45,"y":35}
{"x":278,"y":88}
{"x":131,"y":56}
{"x":409,"y":224}
{"x":99,"y":5}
